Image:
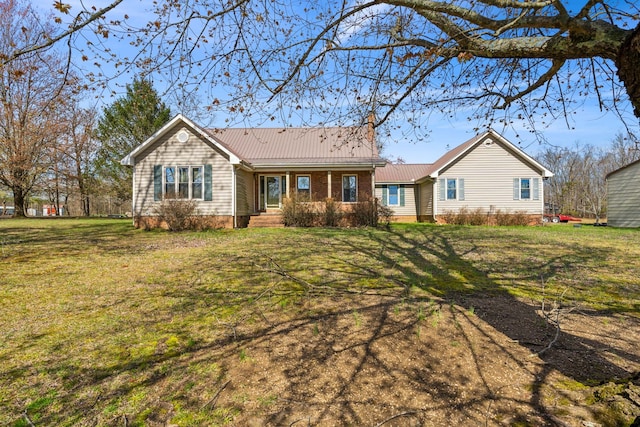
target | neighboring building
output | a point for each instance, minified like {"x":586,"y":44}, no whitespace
{"x":623,"y":196}
{"x":487,"y":173}
{"x":235,"y":175}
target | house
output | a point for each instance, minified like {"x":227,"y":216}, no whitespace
{"x":234,"y":175}
{"x":486,"y":173}
{"x":623,"y":196}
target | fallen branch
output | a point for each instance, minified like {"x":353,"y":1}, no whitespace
{"x":214,"y":399}
{"x":27,"y":419}
{"x":403,"y":414}
{"x":553,"y":316}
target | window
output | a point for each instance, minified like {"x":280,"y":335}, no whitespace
{"x":451,"y":189}
{"x":303,"y":185}
{"x":169,"y":182}
{"x":526,"y":188}
{"x":394,"y":200}
{"x":183,"y":182}
{"x":196,"y":183}
{"x":349,"y":188}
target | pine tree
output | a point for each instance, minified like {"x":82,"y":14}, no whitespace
{"x":124,"y":125}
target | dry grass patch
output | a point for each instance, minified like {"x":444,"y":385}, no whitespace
{"x":102,"y":323}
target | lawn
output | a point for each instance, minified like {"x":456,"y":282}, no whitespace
{"x":102,"y":324}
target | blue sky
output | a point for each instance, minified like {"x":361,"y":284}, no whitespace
{"x":590,"y":125}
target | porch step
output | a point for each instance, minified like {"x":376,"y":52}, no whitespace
{"x":266,"y":220}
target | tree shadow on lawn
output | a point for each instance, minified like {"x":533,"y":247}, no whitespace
{"x":457,"y":355}
{"x":457,"y":280}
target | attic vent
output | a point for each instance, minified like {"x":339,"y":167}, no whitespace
{"x":183,"y":136}
{"x":488,"y":142}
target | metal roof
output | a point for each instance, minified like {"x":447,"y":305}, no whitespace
{"x":298,"y":145}
{"x":402,"y":173}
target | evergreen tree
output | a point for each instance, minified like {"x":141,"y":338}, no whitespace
{"x":124,"y":125}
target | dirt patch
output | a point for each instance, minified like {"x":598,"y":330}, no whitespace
{"x":376,"y":360}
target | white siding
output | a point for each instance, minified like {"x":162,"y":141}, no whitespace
{"x":623,"y":197}
{"x":168,"y":151}
{"x":488,"y":172}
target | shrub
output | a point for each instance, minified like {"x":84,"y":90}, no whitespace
{"x":508,"y":218}
{"x":385,"y":213}
{"x":465,"y":216}
{"x":297,"y":211}
{"x":332,"y":214}
{"x":364,"y":213}
{"x":178,"y":214}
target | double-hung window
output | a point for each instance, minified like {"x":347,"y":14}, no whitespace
{"x":526,"y":188}
{"x":349,"y":188}
{"x":303,"y":185}
{"x":393,"y":195}
{"x":183,"y":182}
{"x":196,"y":182}
{"x":451,"y":189}
{"x":169,"y":182}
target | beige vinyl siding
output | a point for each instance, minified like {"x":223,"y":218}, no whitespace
{"x":623,"y":197}
{"x":426,"y":199}
{"x":244,"y":193}
{"x":168,"y":151}
{"x":488,"y":172}
{"x":409,"y":208}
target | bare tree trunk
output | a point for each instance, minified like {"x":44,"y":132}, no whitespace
{"x":628,"y":70}
{"x":19,"y":202}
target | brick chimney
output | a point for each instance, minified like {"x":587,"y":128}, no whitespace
{"x":371,"y":133}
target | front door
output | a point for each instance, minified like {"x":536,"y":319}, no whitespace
{"x":274,"y":192}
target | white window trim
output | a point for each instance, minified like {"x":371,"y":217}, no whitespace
{"x":301,"y":176}
{"x":389,"y":195}
{"x":446,"y":188}
{"x":342,"y":187}
{"x":176,"y":182}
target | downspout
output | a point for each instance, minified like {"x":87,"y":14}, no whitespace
{"x":435,"y":199}
{"x":133,"y":196}
{"x":233,"y":197}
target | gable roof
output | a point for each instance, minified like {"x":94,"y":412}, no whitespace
{"x":408,"y":173}
{"x":632,"y":164}
{"x":129,"y":159}
{"x":311,"y":146}
{"x":272,"y":147}
{"x":461,"y":150}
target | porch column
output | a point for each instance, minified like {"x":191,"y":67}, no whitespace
{"x":286,"y":184}
{"x":329,"y":184}
{"x":373,"y":183}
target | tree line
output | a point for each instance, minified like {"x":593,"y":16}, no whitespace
{"x":578,"y":186}
{"x":73,"y":164}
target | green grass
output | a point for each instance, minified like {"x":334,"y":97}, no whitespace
{"x":97,"y":317}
